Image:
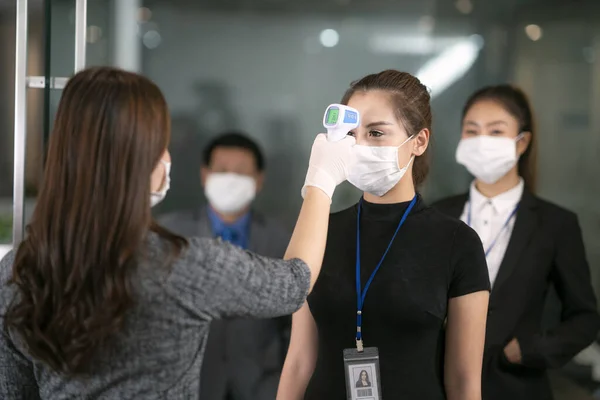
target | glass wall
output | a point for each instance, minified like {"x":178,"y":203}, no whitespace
{"x":7,"y":65}
{"x":270,"y":67}
{"x":561,"y":73}
{"x":34,"y":112}
{"x":50,"y":53}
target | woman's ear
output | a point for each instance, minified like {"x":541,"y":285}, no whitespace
{"x":523,"y":143}
{"x":421,"y":142}
{"x":159,"y":175}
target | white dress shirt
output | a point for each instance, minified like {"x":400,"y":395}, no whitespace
{"x":488,"y":219}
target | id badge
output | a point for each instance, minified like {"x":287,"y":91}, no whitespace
{"x":362,"y":374}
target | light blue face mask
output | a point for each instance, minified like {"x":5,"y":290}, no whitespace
{"x":157,"y":197}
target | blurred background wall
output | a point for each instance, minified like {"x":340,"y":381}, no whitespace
{"x":270,"y":67}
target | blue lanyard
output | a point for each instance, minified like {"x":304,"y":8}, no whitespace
{"x":361,"y":294}
{"x":510,"y":217}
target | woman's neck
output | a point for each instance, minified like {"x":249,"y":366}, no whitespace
{"x":402,"y":192}
{"x":506,"y":183}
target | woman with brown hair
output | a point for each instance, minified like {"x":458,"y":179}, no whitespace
{"x":529,"y":243}
{"x":394,"y":271}
{"x":98,"y":301}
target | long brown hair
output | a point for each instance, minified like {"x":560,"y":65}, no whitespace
{"x":74,"y":269}
{"x":516,"y":103}
{"x":411,"y":101}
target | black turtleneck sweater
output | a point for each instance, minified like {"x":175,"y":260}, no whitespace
{"x":432,"y":259}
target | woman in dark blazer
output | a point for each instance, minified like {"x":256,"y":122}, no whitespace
{"x":529,"y":243}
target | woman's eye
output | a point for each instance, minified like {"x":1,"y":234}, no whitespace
{"x":470,"y":132}
{"x":375,"y":133}
{"x":496,"y":132}
{"x":351,"y":134}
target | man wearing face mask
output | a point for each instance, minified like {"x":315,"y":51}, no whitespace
{"x":243,"y":358}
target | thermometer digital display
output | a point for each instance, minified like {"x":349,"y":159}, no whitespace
{"x":339,"y":120}
{"x":332,"y":115}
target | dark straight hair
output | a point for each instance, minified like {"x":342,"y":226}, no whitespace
{"x":73,"y":272}
{"x":235,"y":140}
{"x":516,"y":103}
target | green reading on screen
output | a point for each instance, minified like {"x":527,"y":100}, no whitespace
{"x":332,"y":116}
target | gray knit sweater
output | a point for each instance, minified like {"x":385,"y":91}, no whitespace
{"x":159,"y":353}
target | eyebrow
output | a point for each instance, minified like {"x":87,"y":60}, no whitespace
{"x":378,"y":123}
{"x":499,"y":122}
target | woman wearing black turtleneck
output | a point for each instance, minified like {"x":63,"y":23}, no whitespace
{"x":426,"y":308}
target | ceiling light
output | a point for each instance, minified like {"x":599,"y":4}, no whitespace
{"x":329,"y":38}
{"x":534,"y":32}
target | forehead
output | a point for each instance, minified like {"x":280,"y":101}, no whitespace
{"x":372,"y":105}
{"x":488,"y":110}
{"x":232,"y":156}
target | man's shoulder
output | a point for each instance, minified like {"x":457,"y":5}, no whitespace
{"x":175,"y":217}
{"x":270,"y":224}
{"x":269,"y":236}
{"x":184,"y":222}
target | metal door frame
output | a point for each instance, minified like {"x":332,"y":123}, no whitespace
{"x":22,"y":83}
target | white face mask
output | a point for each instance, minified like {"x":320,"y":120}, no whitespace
{"x":375,"y":169}
{"x":488,"y":158}
{"x":229,"y":193}
{"x":157,"y":197}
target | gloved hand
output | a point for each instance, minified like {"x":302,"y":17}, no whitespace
{"x":328,"y":165}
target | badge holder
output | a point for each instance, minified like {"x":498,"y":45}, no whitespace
{"x":362,"y":374}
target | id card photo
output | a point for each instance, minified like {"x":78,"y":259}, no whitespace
{"x":364,"y":379}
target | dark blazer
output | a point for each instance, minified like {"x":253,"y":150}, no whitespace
{"x":546,"y":247}
{"x":243,"y":355}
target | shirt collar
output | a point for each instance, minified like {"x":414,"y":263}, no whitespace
{"x":240,"y":225}
{"x":503,"y":203}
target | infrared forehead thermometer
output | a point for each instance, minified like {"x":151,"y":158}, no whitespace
{"x":339,"y":120}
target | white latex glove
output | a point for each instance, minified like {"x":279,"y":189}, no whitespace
{"x":328,"y":165}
